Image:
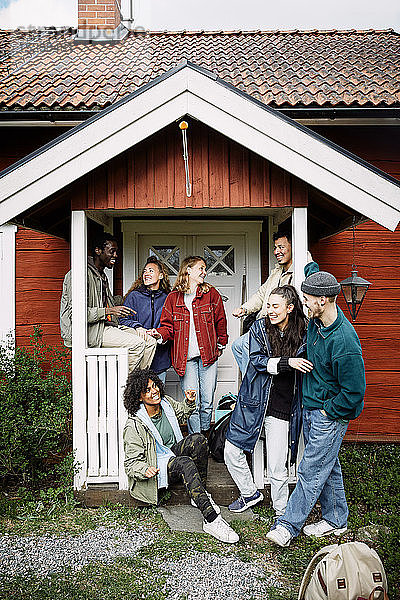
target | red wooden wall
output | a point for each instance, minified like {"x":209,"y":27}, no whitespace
{"x":41,"y":263}
{"x":223,"y":175}
{"x":41,"y":260}
{"x":378,"y":260}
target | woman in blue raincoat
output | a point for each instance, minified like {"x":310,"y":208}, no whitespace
{"x":270,"y":396}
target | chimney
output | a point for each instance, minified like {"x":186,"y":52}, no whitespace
{"x":99,"y":21}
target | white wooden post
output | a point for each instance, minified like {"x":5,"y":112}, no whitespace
{"x":272,"y":228}
{"x":299,"y":245}
{"x":299,"y":253}
{"x":7,"y":284}
{"x":79,"y":341}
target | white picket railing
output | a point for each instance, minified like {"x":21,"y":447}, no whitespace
{"x":106,"y":374}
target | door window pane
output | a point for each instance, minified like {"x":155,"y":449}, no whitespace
{"x":169,"y":255}
{"x":220,"y":260}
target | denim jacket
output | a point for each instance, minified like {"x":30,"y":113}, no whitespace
{"x":248,"y":415}
{"x":210,"y":323}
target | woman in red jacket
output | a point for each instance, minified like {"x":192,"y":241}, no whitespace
{"x":194,"y":319}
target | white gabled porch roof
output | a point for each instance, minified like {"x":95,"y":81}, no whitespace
{"x":194,"y":91}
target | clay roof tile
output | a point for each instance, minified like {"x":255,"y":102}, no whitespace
{"x":297,"y":68}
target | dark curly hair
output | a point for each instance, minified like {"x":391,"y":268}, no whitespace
{"x":136,"y":385}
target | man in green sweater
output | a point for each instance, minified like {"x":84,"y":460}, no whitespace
{"x":333,"y":393}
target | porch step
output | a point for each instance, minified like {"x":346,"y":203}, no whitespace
{"x":219,"y":483}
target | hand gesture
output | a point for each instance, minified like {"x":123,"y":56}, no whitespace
{"x":154,"y":333}
{"x":142,"y":332}
{"x":120,"y":311}
{"x":239,"y":312}
{"x":301,"y":364}
{"x":190,"y":396}
{"x":151,"y":472}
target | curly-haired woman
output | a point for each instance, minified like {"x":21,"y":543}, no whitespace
{"x":156,"y":454}
{"x":194,"y":319}
{"x":146,"y":297}
{"x":270,"y":396}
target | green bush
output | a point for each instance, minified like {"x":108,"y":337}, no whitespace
{"x":36,"y":414}
{"x":372,"y":480}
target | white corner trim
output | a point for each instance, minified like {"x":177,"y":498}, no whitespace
{"x":299,"y":245}
{"x":190,"y":92}
{"x":7,"y":283}
{"x":79,"y":335}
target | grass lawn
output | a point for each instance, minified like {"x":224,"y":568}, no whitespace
{"x":372,"y":479}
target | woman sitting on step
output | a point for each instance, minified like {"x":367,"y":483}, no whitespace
{"x":156,"y":454}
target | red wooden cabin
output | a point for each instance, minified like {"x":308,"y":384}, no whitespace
{"x":251,"y":168}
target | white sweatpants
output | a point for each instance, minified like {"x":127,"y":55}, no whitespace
{"x":276,"y":433}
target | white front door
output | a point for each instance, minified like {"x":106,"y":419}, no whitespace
{"x":230,"y":248}
{"x":225,"y":258}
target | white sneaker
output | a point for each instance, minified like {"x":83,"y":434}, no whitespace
{"x":213,"y":504}
{"x":280,"y":536}
{"x":323,"y":528}
{"x":221,"y":530}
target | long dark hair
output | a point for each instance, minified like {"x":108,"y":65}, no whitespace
{"x":289,"y":343}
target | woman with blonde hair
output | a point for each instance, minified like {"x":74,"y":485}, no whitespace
{"x":146,"y":297}
{"x":194,"y":319}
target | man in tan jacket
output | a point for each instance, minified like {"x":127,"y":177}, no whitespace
{"x":282,"y":274}
{"x":104,"y":310}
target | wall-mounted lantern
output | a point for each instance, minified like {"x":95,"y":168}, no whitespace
{"x":354,"y":288}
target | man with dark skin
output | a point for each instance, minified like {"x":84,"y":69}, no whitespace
{"x":104,"y":310}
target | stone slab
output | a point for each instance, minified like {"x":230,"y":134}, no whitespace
{"x":188,"y":518}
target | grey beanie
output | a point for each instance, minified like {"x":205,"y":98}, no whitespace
{"x":321,"y":283}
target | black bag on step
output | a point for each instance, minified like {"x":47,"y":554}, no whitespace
{"x":216,"y":438}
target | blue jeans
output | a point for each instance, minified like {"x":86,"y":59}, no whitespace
{"x":204,"y":381}
{"x":240,"y":350}
{"x":319,"y":475}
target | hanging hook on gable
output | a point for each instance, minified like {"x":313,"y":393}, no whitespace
{"x":183,"y":126}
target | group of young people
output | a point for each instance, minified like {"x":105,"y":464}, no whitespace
{"x":295,"y":374}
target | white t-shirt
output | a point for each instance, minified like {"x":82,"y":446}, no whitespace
{"x":193,"y":349}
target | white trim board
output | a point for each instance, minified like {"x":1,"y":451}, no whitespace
{"x":198,"y":93}
{"x":7,"y":283}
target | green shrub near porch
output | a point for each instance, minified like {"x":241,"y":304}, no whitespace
{"x":35,"y":415}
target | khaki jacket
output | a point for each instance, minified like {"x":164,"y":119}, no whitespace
{"x":96,"y":315}
{"x":140,"y":453}
{"x":278,"y":277}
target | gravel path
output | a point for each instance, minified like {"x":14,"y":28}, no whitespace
{"x":51,"y":554}
{"x":209,"y":577}
{"x":196,"y":575}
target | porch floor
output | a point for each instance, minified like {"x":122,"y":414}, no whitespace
{"x":219,"y":484}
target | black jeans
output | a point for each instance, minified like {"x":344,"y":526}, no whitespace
{"x":190,"y":466}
